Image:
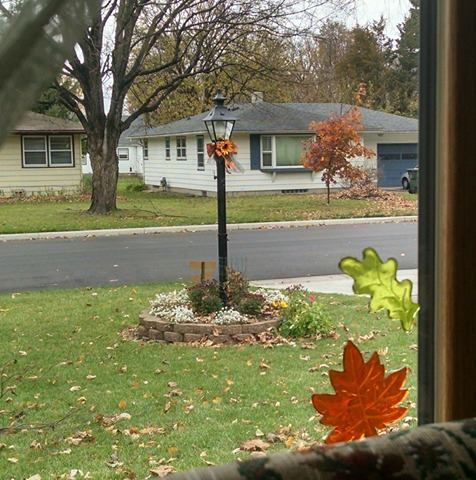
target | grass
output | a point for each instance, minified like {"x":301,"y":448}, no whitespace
{"x":147,"y":209}
{"x":60,"y":337}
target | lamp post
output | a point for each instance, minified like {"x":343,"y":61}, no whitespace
{"x":220,"y":123}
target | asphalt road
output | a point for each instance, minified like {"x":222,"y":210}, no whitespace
{"x":260,"y":254}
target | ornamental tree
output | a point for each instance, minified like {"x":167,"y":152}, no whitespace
{"x":336,"y":141}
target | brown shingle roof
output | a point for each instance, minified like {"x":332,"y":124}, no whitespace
{"x":37,"y":122}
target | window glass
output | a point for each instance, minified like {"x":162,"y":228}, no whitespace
{"x":267,"y":159}
{"x":266,"y":144}
{"x":289,"y":151}
{"x":200,"y":153}
{"x":167,"y":148}
{"x":60,"y":143}
{"x":34,"y":151}
{"x":146,"y":148}
{"x":60,"y":158}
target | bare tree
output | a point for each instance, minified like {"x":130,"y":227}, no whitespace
{"x":162,"y":43}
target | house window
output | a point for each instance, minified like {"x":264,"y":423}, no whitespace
{"x":34,"y":151}
{"x":47,"y":151}
{"x":200,"y":152}
{"x":123,"y":154}
{"x":281,"y":151}
{"x":181,"y":148}
{"x":145,"y":144}
{"x":61,"y":150}
{"x":266,"y":151}
{"x":167,"y":148}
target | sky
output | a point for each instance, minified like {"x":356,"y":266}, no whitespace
{"x":393,"y":11}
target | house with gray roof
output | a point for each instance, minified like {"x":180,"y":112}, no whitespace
{"x":132,"y":150}
{"x":41,"y":154}
{"x":269,"y":137}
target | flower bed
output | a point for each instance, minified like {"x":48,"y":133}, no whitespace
{"x":197,"y":314}
{"x":193,"y":315}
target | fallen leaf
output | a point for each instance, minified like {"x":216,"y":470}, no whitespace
{"x":255,"y":445}
{"x":122,"y":404}
{"x":162,"y":470}
{"x":12,"y":460}
{"x":80,"y":437}
{"x":34,"y":477}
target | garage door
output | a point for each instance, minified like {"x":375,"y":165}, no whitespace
{"x":393,"y":161}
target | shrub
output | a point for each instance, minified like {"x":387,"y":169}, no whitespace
{"x":86,"y":183}
{"x":251,"y":304}
{"x":205,"y":297}
{"x":364,"y":186}
{"x":236,"y":287}
{"x":136,"y":187}
{"x":304,"y":317}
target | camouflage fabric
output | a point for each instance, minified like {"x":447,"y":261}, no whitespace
{"x":431,"y":452}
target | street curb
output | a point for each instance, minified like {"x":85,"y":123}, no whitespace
{"x":202,"y":228}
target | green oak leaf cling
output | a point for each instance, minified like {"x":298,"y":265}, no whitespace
{"x":379,"y":280}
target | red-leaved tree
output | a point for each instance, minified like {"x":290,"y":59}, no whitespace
{"x":336,"y":141}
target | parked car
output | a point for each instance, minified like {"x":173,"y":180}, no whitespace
{"x":406,"y":180}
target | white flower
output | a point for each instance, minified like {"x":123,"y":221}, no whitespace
{"x":272,"y":296}
{"x":173,"y":307}
{"x":229,"y":316}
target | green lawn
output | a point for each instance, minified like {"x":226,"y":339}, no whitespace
{"x":147,"y":209}
{"x":71,"y":359}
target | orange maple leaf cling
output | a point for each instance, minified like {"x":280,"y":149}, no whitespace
{"x":365,"y":400}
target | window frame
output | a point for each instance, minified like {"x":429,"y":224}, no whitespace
{"x":47,"y":151}
{"x":168,"y":150}
{"x":182,"y":157}
{"x":201,"y":153}
{"x":274,"y":165}
{"x":70,"y":150}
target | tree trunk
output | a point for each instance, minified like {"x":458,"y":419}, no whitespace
{"x":328,"y":186}
{"x":105,"y":167}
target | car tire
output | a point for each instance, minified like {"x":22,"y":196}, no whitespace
{"x":405,"y":184}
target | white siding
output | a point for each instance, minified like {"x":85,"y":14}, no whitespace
{"x":15,"y":178}
{"x":135,"y":164}
{"x":184,"y":174}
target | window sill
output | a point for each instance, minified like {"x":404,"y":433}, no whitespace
{"x":285,"y":170}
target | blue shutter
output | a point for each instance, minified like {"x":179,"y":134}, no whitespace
{"x":255,"y":151}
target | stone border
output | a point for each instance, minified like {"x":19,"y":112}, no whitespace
{"x":151,"y":328}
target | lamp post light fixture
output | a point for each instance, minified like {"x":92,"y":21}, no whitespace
{"x":220,"y":123}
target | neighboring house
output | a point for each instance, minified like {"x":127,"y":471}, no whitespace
{"x":269,"y":138}
{"x":131,"y":152}
{"x":41,"y":155}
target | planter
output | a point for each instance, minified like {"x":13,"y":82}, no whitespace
{"x":151,"y":328}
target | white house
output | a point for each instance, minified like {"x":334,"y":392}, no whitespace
{"x":269,"y":138}
{"x":131,"y":152}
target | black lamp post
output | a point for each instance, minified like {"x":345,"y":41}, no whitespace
{"x":220,"y":123}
